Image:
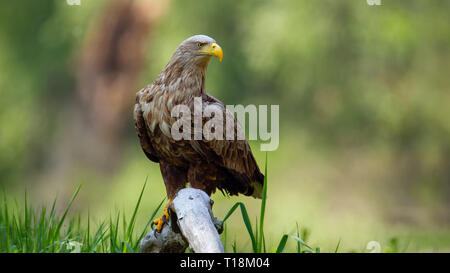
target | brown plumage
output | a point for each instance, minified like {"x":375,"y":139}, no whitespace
{"x":227,"y":165}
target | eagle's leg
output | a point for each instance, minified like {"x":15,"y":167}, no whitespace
{"x":163,"y":219}
{"x":174,"y":179}
{"x":203,"y":177}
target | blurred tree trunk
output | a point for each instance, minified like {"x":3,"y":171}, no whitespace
{"x":111,"y":61}
{"x":108,"y":68}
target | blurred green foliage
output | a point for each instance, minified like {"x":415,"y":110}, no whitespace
{"x":38,"y":43}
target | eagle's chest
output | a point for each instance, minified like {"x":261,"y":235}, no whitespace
{"x":179,"y":153}
{"x":157,"y":109}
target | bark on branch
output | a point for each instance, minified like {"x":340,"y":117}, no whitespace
{"x":192,"y":224}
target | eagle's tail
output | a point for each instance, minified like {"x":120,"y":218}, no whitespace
{"x":257,"y":189}
{"x":257,"y":185}
{"x":241,"y":184}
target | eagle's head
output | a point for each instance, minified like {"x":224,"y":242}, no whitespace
{"x":187,"y":68}
{"x":197,"y":50}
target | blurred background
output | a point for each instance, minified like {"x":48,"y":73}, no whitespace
{"x":363,"y":91}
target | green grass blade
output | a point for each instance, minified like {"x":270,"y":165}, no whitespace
{"x":233,"y":208}
{"x":263,"y":210}
{"x":133,"y":217}
{"x":337,"y":247}
{"x":148,"y":224}
{"x":88,"y":235}
{"x":248,"y":225}
{"x":282,"y":243}
{"x":61,"y":221}
{"x":247,"y":222}
{"x":234,"y":246}
{"x":300,"y":241}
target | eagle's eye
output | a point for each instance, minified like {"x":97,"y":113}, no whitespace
{"x":199,"y":45}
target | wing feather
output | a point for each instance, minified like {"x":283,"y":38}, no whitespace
{"x":234,"y":155}
{"x":141,"y":129}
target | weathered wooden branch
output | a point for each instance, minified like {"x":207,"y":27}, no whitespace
{"x":191,"y":224}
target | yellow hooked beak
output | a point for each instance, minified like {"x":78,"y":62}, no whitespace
{"x":213,"y":50}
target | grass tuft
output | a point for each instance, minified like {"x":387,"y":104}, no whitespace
{"x":24,"y":229}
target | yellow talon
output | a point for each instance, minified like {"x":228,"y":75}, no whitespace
{"x":163,"y":219}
